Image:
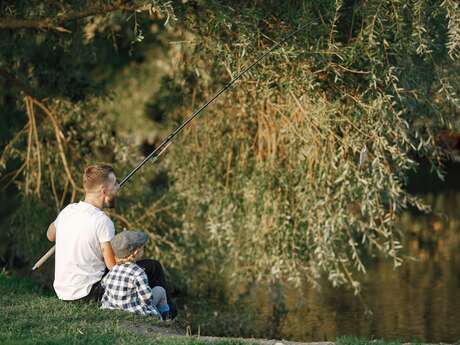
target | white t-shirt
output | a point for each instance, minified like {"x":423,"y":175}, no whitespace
{"x":80,"y":229}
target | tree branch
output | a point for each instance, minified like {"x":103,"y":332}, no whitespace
{"x":55,"y":24}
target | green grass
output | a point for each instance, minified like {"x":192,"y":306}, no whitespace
{"x":31,"y":315}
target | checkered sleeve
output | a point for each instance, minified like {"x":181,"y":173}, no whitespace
{"x":144,"y":291}
{"x":126,"y":288}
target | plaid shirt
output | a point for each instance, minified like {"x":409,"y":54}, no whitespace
{"x":126,"y":288}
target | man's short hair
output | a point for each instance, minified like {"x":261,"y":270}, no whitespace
{"x":96,"y":175}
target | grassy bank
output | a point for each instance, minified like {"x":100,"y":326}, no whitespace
{"x":32,"y":315}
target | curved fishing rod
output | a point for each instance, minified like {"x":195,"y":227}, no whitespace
{"x":165,"y":143}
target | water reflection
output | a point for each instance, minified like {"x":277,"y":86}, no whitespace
{"x":418,"y":301}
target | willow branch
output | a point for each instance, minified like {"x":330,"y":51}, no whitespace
{"x":29,"y":146}
{"x":64,"y":193}
{"x":58,"y":134}
{"x":30,"y":109}
{"x":14,"y":174}
{"x":53,"y":189}
{"x":56,"y":24}
{"x":122,"y":219}
{"x":11,"y":143}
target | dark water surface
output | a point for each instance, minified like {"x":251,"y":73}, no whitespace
{"x":418,"y":301}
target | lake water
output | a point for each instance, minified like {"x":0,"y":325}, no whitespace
{"x":418,"y":301}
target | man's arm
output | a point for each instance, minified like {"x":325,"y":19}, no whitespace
{"x":51,"y":233}
{"x":107,"y":253}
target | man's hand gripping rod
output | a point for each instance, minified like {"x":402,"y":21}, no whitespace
{"x":162,"y":147}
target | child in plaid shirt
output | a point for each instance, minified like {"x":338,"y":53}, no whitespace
{"x":126,"y":285}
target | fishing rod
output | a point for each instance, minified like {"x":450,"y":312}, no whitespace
{"x":166,"y":142}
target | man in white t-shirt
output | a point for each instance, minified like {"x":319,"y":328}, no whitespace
{"x":83,"y":232}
